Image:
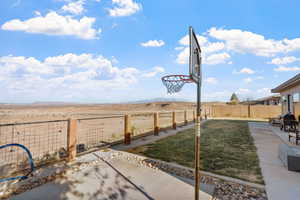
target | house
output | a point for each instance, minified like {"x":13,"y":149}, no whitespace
{"x":289,"y":92}
{"x":270,"y":100}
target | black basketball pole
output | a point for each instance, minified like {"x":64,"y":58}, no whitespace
{"x":197,"y":131}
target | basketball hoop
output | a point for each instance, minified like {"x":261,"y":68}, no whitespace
{"x":174,"y":83}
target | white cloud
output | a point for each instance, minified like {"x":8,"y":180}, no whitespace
{"x":213,"y":47}
{"x":213,"y":96}
{"x":284,"y":60}
{"x":68,"y":74}
{"x":185,"y":41}
{"x":124,"y":8}
{"x":243,"y":91}
{"x":248,"y":42}
{"x":37,"y":13}
{"x":212,"y":59}
{"x":183,"y":56}
{"x":208,"y":48}
{"x":153,"y":43}
{"x":211,"y":80}
{"x":286,"y":69}
{"x":153,"y":72}
{"x":235,"y":40}
{"x":248,"y":80}
{"x":179,"y":48}
{"x":69,"y":77}
{"x":244,"y":70}
{"x":264,"y":91}
{"x":75,"y":8}
{"x":10,"y":64}
{"x":55,"y":24}
{"x":259,"y":77}
{"x":247,"y":94}
{"x":218,"y":58}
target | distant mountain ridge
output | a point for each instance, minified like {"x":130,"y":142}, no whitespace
{"x":53,"y":103}
{"x":157,"y":100}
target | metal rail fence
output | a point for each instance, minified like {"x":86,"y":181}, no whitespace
{"x":96,"y":132}
{"x":165,"y":119}
{"x":46,"y":140}
{"x":64,"y":139}
{"x":142,"y":123}
{"x":180,"y":118}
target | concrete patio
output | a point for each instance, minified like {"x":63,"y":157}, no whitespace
{"x":113,"y":177}
{"x":280,"y":183}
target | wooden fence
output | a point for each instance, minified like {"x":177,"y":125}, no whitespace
{"x":241,"y":111}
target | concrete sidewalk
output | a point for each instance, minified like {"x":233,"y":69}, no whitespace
{"x":281,"y":184}
{"x":152,"y":138}
{"x":113,"y":178}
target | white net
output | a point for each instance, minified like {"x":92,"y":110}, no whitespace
{"x":174,"y":83}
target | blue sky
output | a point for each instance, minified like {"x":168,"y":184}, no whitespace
{"x":117,"y":50}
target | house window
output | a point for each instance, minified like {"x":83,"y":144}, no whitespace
{"x":296,"y":97}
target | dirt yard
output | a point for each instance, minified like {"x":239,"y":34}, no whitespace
{"x":39,"y":112}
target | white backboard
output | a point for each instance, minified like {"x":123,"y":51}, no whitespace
{"x":195,"y":57}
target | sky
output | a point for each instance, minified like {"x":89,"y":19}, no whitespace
{"x":96,"y":51}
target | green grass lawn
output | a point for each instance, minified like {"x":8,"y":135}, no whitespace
{"x":227,"y":148}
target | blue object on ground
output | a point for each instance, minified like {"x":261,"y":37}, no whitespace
{"x":30,"y":162}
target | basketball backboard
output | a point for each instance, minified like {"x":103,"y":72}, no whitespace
{"x":195,"y":57}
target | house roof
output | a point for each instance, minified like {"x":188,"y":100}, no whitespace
{"x":277,"y":96}
{"x":289,"y":83}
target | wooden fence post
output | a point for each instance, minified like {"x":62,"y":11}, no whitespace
{"x":174,"y":119}
{"x":127,"y":130}
{"x":249,"y":112}
{"x":72,"y":139}
{"x":185,"y":118}
{"x":156,"y":124}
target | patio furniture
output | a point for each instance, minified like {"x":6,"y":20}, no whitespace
{"x":287,"y":122}
{"x":275,"y":121}
{"x":290,"y":156}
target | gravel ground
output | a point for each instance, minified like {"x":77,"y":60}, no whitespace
{"x":224,"y":190}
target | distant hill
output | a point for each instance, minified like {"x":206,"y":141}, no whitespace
{"x":157,"y":100}
{"x":144,"y":101}
{"x":52,"y":103}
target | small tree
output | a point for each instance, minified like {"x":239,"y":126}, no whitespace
{"x":234,"y":99}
